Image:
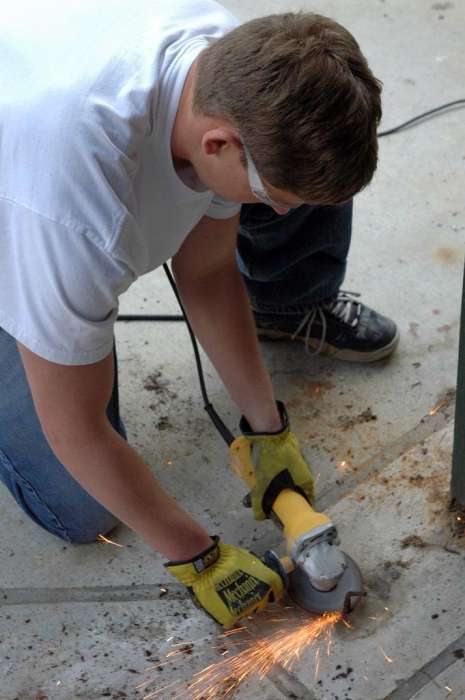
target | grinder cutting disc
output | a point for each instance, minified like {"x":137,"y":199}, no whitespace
{"x":312,"y":600}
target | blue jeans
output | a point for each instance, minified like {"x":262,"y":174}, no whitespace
{"x":38,"y":482}
{"x":290,"y":261}
{"x":295,"y":261}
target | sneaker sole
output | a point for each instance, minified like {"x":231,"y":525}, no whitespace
{"x":334,"y":352}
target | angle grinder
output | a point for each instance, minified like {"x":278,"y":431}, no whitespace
{"x":319,"y":577}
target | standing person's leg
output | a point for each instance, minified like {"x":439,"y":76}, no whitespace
{"x":38,"y":482}
{"x":293,"y":267}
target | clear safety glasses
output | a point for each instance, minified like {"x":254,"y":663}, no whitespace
{"x":257,"y":186}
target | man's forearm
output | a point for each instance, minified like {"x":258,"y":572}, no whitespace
{"x":219,"y":311}
{"x":116,"y":476}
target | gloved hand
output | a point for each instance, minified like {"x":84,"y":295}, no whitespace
{"x":228,"y":582}
{"x":271,"y":462}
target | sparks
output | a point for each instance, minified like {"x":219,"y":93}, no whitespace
{"x":284,"y":647}
{"x":390,"y":661}
{"x":437,"y":407}
{"x":317,"y":663}
{"x":102,"y":538}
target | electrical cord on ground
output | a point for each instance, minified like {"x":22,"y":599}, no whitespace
{"x":425,"y":115}
{"x":221,"y":427}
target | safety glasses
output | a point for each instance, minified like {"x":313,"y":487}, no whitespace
{"x":257,"y":186}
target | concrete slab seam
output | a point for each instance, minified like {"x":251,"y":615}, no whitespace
{"x":384,"y":458}
{"x":429,"y":671}
{"x":289,"y":685}
{"x":97,"y":594}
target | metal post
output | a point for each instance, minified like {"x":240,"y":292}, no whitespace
{"x":458,"y":457}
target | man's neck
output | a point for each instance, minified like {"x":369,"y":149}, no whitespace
{"x":183,"y":133}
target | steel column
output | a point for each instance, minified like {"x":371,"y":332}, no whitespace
{"x":458,"y":457}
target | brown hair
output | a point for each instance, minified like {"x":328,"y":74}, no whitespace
{"x":301,"y":95}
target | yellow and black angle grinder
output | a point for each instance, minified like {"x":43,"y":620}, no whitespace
{"x":318,"y":576}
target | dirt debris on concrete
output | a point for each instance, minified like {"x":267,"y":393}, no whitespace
{"x":413,"y":541}
{"x":164,"y":423}
{"x":160,"y":386}
{"x":366,"y":416}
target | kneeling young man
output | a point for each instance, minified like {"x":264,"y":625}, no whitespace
{"x":131,"y":134}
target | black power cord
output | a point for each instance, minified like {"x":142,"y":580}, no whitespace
{"x":221,"y":427}
{"x":425,"y":115}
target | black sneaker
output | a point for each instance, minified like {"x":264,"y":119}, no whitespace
{"x":341,"y":327}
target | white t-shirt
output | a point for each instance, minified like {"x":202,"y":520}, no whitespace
{"x":89,"y":197}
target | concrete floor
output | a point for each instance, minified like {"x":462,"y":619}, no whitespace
{"x":86,"y":621}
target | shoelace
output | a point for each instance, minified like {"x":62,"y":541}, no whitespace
{"x":344,"y":307}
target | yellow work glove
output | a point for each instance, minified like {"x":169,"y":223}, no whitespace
{"x":228,"y":582}
{"x":269,"y":463}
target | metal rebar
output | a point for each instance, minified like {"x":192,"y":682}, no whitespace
{"x":458,"y":456}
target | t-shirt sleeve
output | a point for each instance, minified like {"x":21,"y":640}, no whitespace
{"x":58,"y":290}
{"x":221,"y":208}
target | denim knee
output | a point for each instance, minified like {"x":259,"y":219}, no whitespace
{"x":87,"y":532}
{"x":72,"y":524}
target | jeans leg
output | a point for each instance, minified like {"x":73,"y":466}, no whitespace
{"x":296,"y":260}
{"x":38,"y":482}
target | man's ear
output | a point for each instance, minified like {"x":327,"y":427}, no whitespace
{"x":215,"y":140}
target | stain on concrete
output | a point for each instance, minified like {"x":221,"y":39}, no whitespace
{"x":442,"y":6}
{"x":448,"y":256}
{"x":320,"y":388}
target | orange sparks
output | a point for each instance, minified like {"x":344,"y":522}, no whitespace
{"x":105,"y":540}
{"x":317,"y":663}
{"x":284,"y":647}
{"x":437,"y":407}
{"x":390,"y":661}
{"x":344,"y":466}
